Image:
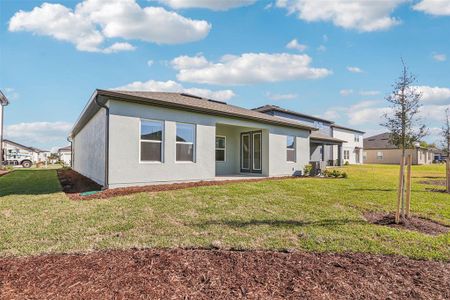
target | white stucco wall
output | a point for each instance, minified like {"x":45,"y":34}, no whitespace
{"x":89,"y":148}
{"x":350,"y":145}
{"x":125,"y":168}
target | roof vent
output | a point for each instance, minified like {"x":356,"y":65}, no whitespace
{"x":191,"y":96}
{"x":217,"y":101}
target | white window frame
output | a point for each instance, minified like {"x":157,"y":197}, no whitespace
{"x":357,"y":138}
{"x":291,"y":149}
{"x":224,"y":149}
{"x":253,"y":151}
{"x":347,"y":157}
{"x":380,"y":157}
{"x":152,"y":141}
{"x":194,"y":144}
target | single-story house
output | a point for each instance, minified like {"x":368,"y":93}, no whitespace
{"x":128,"y":138}
{"x":379,"y":150}
{"x":332,"y":144}
{"x":65,"y":155}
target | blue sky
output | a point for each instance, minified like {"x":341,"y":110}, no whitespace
{"x":337,"y":60}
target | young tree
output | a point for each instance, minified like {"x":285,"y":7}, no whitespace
{"x":446,"y":144}
{"x":402,"y":121}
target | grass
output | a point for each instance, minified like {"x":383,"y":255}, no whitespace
{"x":304,"y":214}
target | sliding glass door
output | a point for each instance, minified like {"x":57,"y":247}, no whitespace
{"x":251,"y":152}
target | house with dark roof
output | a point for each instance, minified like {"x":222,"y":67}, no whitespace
{"x":379,"y":150}
{"x":332,"y":144}
{"x":128,"y":138}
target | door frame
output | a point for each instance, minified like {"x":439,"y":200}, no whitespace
{"x":251,"y":135}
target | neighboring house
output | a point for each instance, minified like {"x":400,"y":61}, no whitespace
{"x":17,"y":154}
{"x":439,"y":155}
{"x":39,"y":155}
{"x":331,"y":144}
{"x":125,"y":138}
{"x":3,"y":102}
{"x":65,"y":155}
{"x":379,"y":150}
{"x":353,"y":148}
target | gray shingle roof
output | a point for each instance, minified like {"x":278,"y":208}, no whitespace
{"x":269,"y":107}
{"x":183,"y":102}
{"x":316,"y":135}
{"x":380,"y":141}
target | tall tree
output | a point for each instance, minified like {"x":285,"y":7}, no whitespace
{"x":446,"y":133}
{"x":446,"y":145}
{"x":402,"y":121}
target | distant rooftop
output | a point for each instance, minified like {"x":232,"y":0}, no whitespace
{"x":270,"y":107}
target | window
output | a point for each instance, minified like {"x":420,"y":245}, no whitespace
{"x":364,"y":155}
{"x":380,"y":155}
{"x":185,"y":142}
{"x":346,"y":154}
{"x":221,"y":145}
{"x":290,"y":148}
{"x":151,"y":140}
{"x":357,"y":138}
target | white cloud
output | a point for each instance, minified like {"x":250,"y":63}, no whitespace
{"x":208,"y":4}
{"x":277,"y":97}
{"x":150,"y":62}
{"x":294,"y":44}
{"x":434,"y":94}
{"x":117,"y":47}
{"x":248,"y":68}
{"x":268,"y":6}
{"x":39,"y":133}
{"x":346,"y":92}
{"x":322,"y":48}
{"x":189,"y":62}
{"x":173,"y":86}
{"x":92,"y":22}
{"x":434,"y":7}
{"x":361,"y":15}
{"x":433,"y":112}
{"x":439,"y":57}
{"x":354,"y":69}
{"x":369,"y":93}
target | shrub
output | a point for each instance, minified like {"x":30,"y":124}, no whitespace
{"x":346,"y":163}
{"x":307,"y":170}
{"x":334,"y":173}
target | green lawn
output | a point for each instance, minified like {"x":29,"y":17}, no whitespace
{"x":305,"y":214}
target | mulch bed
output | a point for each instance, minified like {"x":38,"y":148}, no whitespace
{"x":74,"y":183}
{"x":217,"y":274}
{"x":415,"y":223}
{"x":2,"y":173}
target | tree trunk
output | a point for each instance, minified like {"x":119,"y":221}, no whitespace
{"x":408,"y":186}
{"x":400,"y":190}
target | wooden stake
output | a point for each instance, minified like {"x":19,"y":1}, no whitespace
{"x":400,"y":190}
{"x":408,"y":187}
{"x":448,"y":175}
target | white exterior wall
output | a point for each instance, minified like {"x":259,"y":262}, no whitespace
{"x":125,"y":168}
{"x":89,"y":149}
{"x":350,"y":145}
{"x":65,"y":157}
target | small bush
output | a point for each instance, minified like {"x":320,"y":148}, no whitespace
{"x":307,"y":170}
{"x":334,"y":173}
{"x":346,"y":163}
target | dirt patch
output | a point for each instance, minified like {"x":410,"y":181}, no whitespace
{"x":3,"y":172}
{"x":215,"y":274}
{"x":415,"y":223}
{"x":74,"y":183}
{"x":434,"y":182}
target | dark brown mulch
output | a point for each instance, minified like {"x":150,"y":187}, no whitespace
{"x":216,"y":274}
{"x":414,"y":223}
{"x":74,"y":183}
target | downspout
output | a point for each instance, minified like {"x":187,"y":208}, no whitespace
{"x":101,"y":105}
{"x":71,"y":151}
